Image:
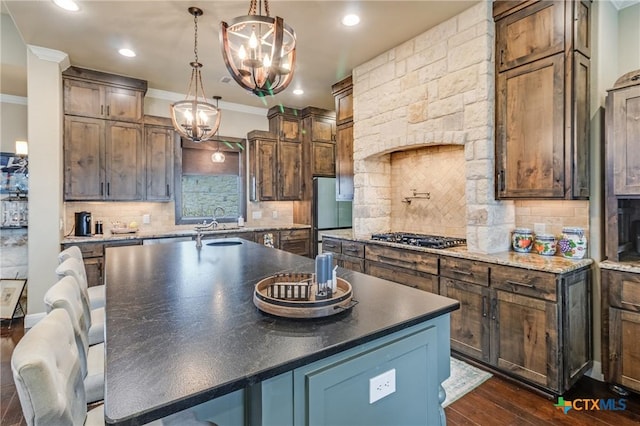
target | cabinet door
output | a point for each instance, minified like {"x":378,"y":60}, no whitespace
{"x":524,"y":338}
{"x":324,"y":159}
{"x":469,"y":324}
{"x":290,"y":171}
{"x":580,"y":123}
{"x":530,"y":34}
{"x":624,"y":358}
{"x":266,"y":170}
{"x":344,"y":106}
{"x":83,"y":98}
{"x":289,"y":129}
{"x":625,"y":137}
{"x":93,"y":267}
{"x":83,"y":161}
{"x":530,"y":130}
{"x":123,"y":104}
{"x":124,"y":162}
{"x":322,"y":129}
{"x":158,"y":163}
{"x":344,"y":163}
{"x":351,"y":262}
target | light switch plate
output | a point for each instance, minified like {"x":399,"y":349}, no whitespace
{"x":146,"y":218}
{"x":382,"y":385}
{"x":256,"y":214}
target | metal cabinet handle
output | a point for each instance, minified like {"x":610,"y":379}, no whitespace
{"x":467,"y":273}
{"x":168,"y":193}
{"x":101,"y":109}
{"x":501,"y":181}
{"x":494,"y":306}
{"x":520,"y":284}
{"x":108,"y":109}
{"x":108,"y":189}
{"x":351,"y":249}
{"x":484,"y":306}
{"x":329,"y":245}
{"x":502,"y":57}
{"x":101,"y":188}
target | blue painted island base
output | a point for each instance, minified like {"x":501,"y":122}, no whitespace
{"x":335,"y":390}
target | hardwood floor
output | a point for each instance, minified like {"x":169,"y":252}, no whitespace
{"x":496,"y":402}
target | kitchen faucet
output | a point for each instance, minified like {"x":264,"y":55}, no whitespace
{"x":204,"y":226}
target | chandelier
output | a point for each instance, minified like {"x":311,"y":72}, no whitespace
{"x":259,"y":51}
{"x":194,"y":118}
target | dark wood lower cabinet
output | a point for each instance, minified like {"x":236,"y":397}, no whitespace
{"x":621,"y":328}
{"x":408,"y":277}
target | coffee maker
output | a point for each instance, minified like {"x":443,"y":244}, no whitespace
{"x":83,"y":224}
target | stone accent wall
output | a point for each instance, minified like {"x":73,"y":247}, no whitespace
{"x":435,"y":89}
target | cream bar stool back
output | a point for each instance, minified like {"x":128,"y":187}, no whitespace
{"x":65,"y":294}
{"x":47,"y":373}
{"x":96,"y":294}
{"x":93,"y":318}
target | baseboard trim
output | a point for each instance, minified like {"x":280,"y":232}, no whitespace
{"x":32,"y":319}
{"x":595,"y":372}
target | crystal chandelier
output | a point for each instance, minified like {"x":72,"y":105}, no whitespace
{"x":194,"y":118}
{"x":259,"y":51}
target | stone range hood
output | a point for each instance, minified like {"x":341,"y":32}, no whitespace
{"x":423,"y":99}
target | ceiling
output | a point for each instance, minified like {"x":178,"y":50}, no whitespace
{"x":161,"y":33}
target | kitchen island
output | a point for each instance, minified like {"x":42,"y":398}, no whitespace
{"x":182,"y":332}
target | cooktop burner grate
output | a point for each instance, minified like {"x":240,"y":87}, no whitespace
{"x":421,"y":240}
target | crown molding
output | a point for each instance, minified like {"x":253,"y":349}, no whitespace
{"x":11,"y":99}
{"x":228,"y":106}
{"x":621,"y":4}
{"x":46,"y":54}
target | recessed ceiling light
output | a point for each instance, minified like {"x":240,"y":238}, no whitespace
{"x":127,"y":52}
{"x":298,"y":92}
{"x":350,"y":20}
{"x":67,"y":5}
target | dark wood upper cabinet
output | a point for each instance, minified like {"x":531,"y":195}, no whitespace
{"x":542,"y":99}
{"x":159,"y":139}
{"x":343,"y":95}
{"x":623,"y":130}
{"x":318,"y":137}
{"x":103,"y":140}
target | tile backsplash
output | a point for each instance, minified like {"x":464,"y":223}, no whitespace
{"x":162,"y":215}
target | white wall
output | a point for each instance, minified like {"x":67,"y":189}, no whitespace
{"x":629,"y":39}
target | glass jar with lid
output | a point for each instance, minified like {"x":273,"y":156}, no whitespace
{"x":545,"y":244}
{"x":573,"y":243}
{"x":522,"y":240}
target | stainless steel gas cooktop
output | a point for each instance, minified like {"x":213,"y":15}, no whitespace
{"x":421,"y":240}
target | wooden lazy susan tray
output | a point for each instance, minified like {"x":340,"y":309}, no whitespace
{"x":294,"y":296}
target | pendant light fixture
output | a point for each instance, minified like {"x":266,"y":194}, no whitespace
{"x":259,"y":51}
{"x":217,"y":157}
{"x":194,"y":118}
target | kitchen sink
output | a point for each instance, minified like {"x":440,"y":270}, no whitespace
{"x":224,"y":243}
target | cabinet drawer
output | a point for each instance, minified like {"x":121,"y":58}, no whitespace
{"x":408,"y":277}
{"x":541,"y":285}
{"x":403,"y":258}
{"x":350,"y":262}
{"x":329,"y":244}
{"x":89,"y":249}
{"x":352,"y":248}
{"x":294,"y":234}
{"x":300,"y":247}
{"x":624,"y":291}
{"x":465,"y":270}
{"x":122,"y":243}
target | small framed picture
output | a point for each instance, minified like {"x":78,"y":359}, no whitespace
{"x":10,"y":292}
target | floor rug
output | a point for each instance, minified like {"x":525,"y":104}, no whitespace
{"x":463,"y":379}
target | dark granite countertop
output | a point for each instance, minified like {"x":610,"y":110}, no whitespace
{"x":182,"y":231}
{"x":182,"y":328}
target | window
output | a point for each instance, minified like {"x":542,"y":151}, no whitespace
{"x":205,"y":189}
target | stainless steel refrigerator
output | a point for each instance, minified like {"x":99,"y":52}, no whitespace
{"x":328,"y":213}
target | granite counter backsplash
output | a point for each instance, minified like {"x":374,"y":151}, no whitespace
{"x":553,"y":264}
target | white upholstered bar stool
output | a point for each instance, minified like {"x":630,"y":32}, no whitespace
{"x":95,"y":293}
{"x":94,"y":318}
{"x":65,"y":294}
{"x":47,"y":374}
